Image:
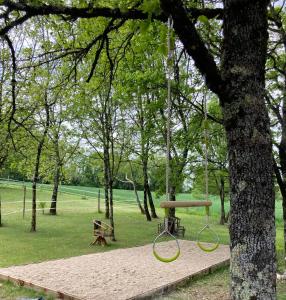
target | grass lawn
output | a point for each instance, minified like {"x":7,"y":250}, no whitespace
{"x":70,"y":232}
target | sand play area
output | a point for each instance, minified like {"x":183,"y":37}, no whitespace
{"x":132,"y":273}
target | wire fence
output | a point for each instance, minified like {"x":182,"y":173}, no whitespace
{"x":82,"y":202}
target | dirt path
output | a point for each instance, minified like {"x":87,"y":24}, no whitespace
{"x":118,"y":274}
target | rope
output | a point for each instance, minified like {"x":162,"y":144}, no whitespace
{"x":169,"y":104}
{"x":168,"y":143}
{"x":206,"y":138}
{"x":206,"y":154}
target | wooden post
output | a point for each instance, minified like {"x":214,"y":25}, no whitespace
{"x":24,"y":201}
{"x":98,"y":202}
{"x":0,"y":212}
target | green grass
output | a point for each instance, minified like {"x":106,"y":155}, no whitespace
{"x":70,"y":232}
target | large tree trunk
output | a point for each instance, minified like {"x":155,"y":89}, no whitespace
{"x":252,"y":226}
{"x":53,"y":208}
{"x":240,"y":86}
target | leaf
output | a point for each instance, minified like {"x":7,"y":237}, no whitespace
{"x":203,"y":19}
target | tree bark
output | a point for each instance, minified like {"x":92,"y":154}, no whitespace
{"x":34,"y":184}
{"x":53,"y":208}
{"x":145,"y":185}
{"x":37,"y":166}
{"x":151,"y":203}
{"x":135,"y":190}
{"x":252,"y":226}
{"x":106,"y":182}
{"x":111,"y":216}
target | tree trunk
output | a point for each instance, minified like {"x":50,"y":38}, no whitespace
{"x":135,"y":191}
{"x":282,"y":156}
{"x":172,"y":211}
{"x":0,"y":211}
{"x":145,"y":179}
{"x":111,"y":216}
{"x":37,"y":166}
{"x":151,"y":203}
{"x":53,"y":208}
{"x":98,"y":202}
{"x":106,"y":183}
{"x":222,"y":209}
{"x":252,"y":226}
{"x":282,"y":185}
{"x":34,"y":186}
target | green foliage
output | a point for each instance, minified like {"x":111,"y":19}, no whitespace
{"x":42,"y":205}
{"x":203,"y":19}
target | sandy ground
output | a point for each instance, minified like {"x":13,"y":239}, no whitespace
{"x":118,"y":274}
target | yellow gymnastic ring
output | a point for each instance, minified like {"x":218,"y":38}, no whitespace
{"x":166,"y":259}
{"x":206,"y":249}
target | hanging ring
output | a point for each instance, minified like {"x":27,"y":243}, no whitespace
{"x":166,"y":259}
{"x":207,"y":249}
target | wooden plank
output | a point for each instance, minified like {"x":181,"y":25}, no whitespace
{"x":172,"y":204}
{"x":54,"y":293}
{"x":170,"y":287}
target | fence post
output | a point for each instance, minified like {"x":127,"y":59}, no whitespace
{"x":24,"y":201}
{"x":0,"y":211}
{"x":98,"y":202}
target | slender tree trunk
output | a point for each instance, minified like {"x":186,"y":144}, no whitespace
{"x":145,"y":185}
{"x":172,"y":211}
{"x":282,"y":154}
{"x":138,"y":199}
{"x":34,"y":186}
{"x":0,"y":210}
{"x":37,"y":166}
{"x":222,"y":208}
{"x":106,"y":183}
{"x":282,"y":185}
{"x":147,"y":189}
{"x":98,"y":202}
{"x":252,"y":226}
{"x":24,"y":200}
{"x":151,"y":203}
{"x":111,"y":216}
{"x":135,"y":191}
{"x":53,"y":208}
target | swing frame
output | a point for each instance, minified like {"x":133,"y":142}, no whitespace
{"x":173,"y":204}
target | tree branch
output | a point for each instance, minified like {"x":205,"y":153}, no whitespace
{"x":194,"y":44}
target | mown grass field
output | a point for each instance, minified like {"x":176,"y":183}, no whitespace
{"x":70,"y":232}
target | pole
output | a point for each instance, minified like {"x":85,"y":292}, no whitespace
{"x":24,"y":201}
{"x":98,"y":202}
{"x":0,"y":212}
